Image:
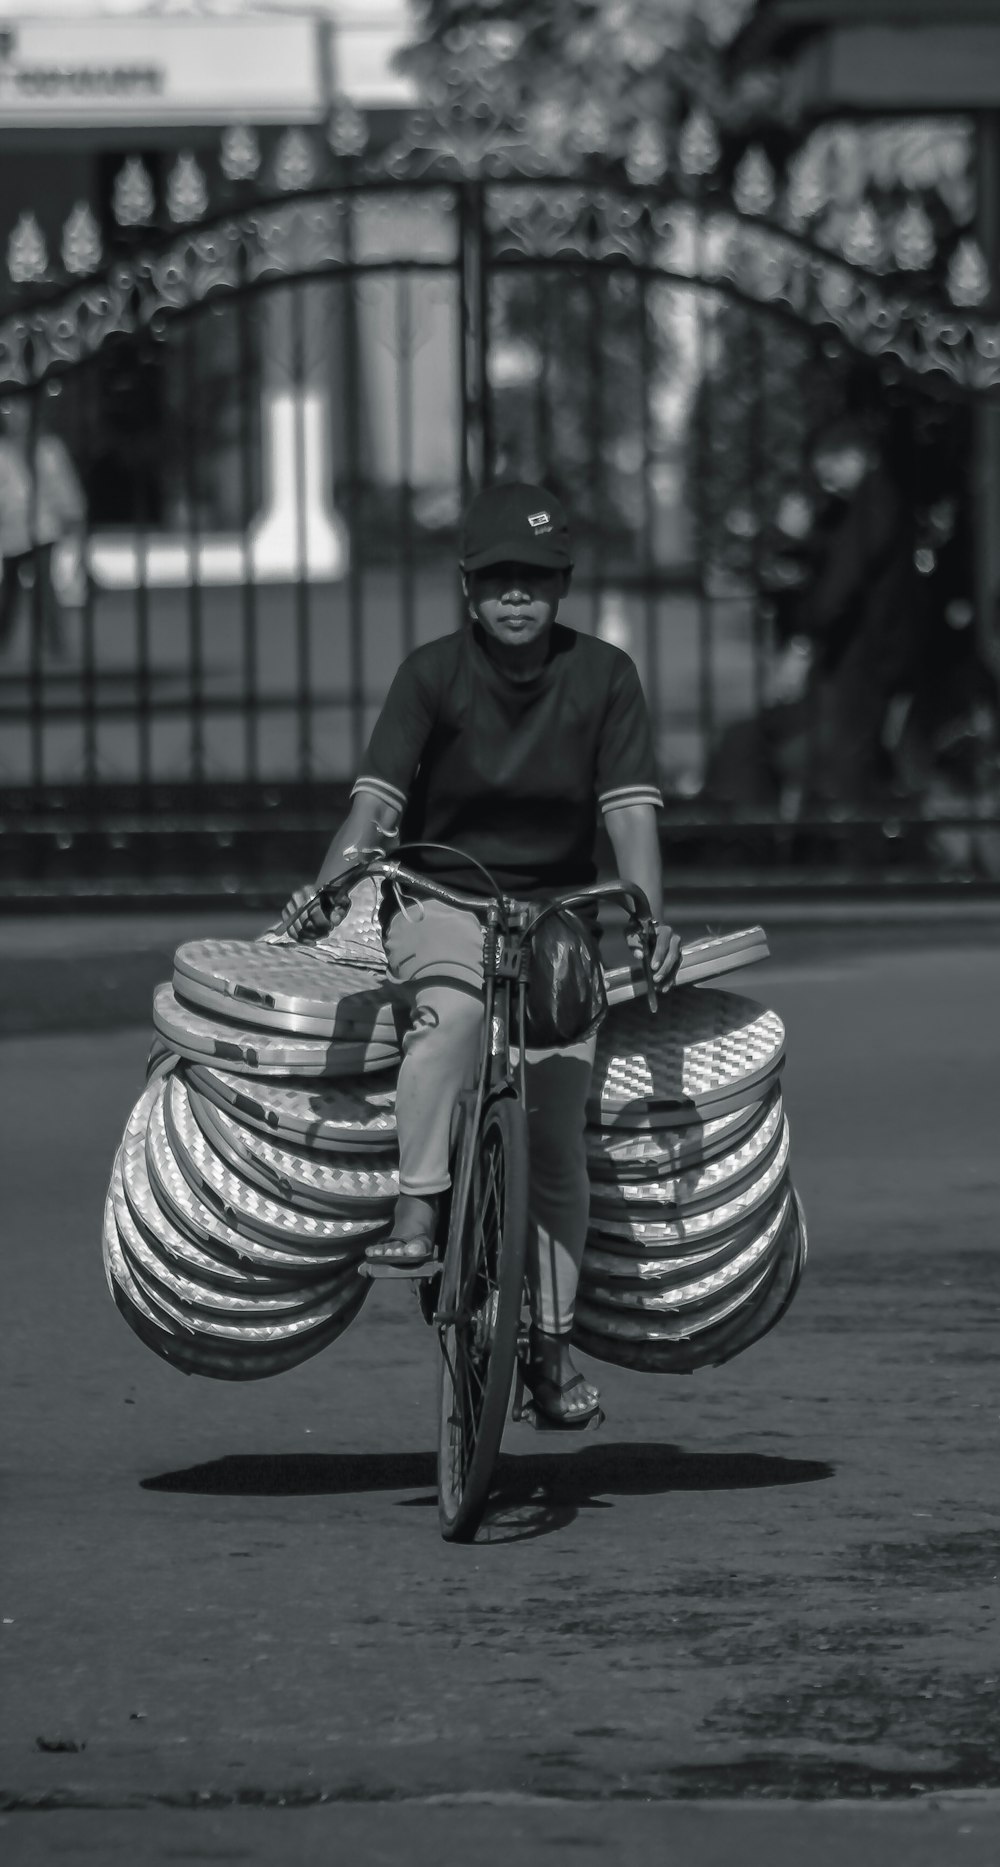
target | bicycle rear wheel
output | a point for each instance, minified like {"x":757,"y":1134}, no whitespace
{"x":479,"y":1339}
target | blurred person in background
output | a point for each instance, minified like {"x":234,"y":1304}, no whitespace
{"x":855,"y":622}
{"x":945,"y":735}
{"x":840,"y":572}
{"x":42,"y":511}
{"x":948,"y":719}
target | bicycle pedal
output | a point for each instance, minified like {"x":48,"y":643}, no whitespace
{"x":399,"y":1273}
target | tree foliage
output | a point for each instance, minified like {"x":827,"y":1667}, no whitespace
{"x":586,"y":76}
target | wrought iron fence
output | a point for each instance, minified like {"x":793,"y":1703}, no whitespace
{"x":276,"y":414}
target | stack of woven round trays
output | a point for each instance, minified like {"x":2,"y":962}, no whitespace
{"x":261,"y":1159}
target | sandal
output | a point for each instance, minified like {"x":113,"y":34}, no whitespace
{"x":402,"y":1253}
{"x":552,"y":1399}
{"x":407,"y":1253}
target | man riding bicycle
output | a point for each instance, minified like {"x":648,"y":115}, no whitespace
{"x":501,"y":740}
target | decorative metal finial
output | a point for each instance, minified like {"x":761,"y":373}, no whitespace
{"x":723,"y":18}
{"x":547,"y":128}
{"x":187,"y":192}
{"x":294,"y":162}
{"x":27,"y":256}
{"x":590,"y":128}
{"x":81,"y":241}
{"x":753,"y":183}
{"x":806,"y":193}
{"x":239,"y":154}
{"x":913,"y":242}
{"x":347,"y":129}
{"x":862,"y":243}
{"x":646,"y":157}
{"x":968,"y":274}
{"x":698,"y":151}
{"x":132,"y":200}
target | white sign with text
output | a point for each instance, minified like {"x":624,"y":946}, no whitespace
{"x":69,"y":72}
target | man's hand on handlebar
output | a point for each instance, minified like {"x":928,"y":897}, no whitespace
{"x":666,"y":956}
{"x":305,"y":918}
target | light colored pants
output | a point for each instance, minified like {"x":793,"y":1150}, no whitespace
{"x":435,"y":956}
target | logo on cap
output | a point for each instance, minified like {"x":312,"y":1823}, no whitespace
{"x":540,"y":521}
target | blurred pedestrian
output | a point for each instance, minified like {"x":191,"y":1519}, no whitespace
{"x":42,"y":510}
{"x":839,"y":568}
{"x":856,"y":616}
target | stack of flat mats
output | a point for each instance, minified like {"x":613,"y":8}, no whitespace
{"x":262,"y":1157}
{"x":238,"y":1212}
{"x":276,"y":1011}
{"x":245,"y":1190}
{"x":697,"y":1238}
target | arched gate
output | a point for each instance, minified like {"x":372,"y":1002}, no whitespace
{"x":278,"y":401}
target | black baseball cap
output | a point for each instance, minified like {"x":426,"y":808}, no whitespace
{"x":516,"y":523}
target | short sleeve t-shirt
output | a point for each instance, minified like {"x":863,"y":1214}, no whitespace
{"x":511,"y":772}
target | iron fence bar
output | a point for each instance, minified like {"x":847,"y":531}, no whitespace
{"x":650,"y":601}
{"x":351,"y":371}
{"x":189,"y":374}
{"x":144,"y":694}
{"x":88,"y":659}
{"x":249,"y":375}
{"x":464,"y":372}
{"x":404,"y":393}
{"x":303,"y":656}
{"x":758,"y":455}
{"x":482,"y":286}
{"x":473,"y":266}
{"x":36,"y":674}
{"x":543,"y":425}
{"x":703,"y":413}
{"x":595,"y":413}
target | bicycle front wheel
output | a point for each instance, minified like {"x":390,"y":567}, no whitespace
{"x":479,"y":1338}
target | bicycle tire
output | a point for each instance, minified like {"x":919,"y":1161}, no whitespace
{"x":479,"y":1350}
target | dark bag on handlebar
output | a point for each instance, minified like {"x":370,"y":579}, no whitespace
{"x":566,"y":999}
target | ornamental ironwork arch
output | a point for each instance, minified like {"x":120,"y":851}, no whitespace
{"x":554,"y":223}
{"x":322,"y":205}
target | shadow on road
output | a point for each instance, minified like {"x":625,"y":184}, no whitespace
{"x":534,"y":1495}
{"x":301,"y":1474}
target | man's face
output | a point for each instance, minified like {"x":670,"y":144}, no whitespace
{"x":516,"y":603}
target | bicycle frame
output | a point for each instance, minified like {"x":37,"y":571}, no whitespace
{"x":506,"y":964}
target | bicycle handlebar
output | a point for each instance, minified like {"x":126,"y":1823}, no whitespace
{"x":639,"y":914}
{"x":389,"y":868}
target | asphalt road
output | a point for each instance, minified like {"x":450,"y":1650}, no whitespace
{"x":754,"y":1617}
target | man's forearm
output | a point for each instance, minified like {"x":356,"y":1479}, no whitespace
{"x":636,"y":844}
{"x":370,"y":822}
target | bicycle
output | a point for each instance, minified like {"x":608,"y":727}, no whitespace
{"x":473,"y":1291}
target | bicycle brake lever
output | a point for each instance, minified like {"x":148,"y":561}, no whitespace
{"x":646,"y":930}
